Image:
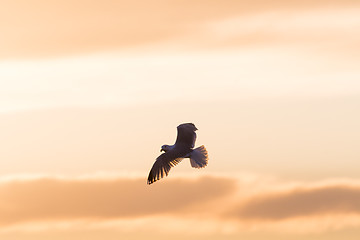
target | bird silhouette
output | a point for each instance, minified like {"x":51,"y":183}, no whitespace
{"x":173,"y":154}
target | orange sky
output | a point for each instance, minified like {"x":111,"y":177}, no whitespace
{"x":91,"y":90}
{"x":43,"y":28}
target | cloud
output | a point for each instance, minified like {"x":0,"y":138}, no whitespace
{"x":301,"y":202}
{"x":56,"y":199}
{"x":211,"y":203}
{"x":44,"y":28}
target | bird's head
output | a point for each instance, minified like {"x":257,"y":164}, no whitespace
{"x":165,"y":148}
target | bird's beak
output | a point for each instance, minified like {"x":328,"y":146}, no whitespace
{"x":162,"y":150}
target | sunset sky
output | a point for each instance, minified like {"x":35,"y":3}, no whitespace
{"x":90,"y":90}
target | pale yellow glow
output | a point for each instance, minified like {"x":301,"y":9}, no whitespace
{"x":102,"y":80}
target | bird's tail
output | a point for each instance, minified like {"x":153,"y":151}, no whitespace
{"x":199,"y":157}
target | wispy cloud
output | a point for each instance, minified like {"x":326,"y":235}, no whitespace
{"x":213,"y":206}
{"x":41,"y":28}
{"x":211,"y":197}
{"x":55,"y":199}
{"x":301,"y":202}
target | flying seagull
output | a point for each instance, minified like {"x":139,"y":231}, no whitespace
{"x":183,"y":148}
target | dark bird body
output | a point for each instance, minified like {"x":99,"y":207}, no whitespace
{"x":183,"y":148}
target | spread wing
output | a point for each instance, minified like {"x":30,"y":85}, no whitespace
{"x":186,"y":135}
{"x":184,"y":144}
{"x":163,"y":165}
